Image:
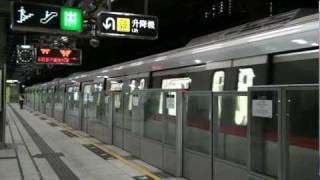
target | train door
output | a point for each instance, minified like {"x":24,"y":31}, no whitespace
{"x":59,"y":103}
{"x":301,"y":129}
{"x":72,"y":110}
{"x":265,"y":134}
{"x":43,"y":100}
{"x":93,"y":103}
{"x":132,"y":117}
{"x":116,"y":88}
{"x":49,"y":101}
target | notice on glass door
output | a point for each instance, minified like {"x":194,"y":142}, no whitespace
{"x":135,"y":101}
{"x":262,"y":108}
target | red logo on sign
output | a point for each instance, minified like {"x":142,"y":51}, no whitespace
{"x":45,"y":50}
{"x":65,"y":52}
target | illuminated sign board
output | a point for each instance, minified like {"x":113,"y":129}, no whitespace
{"x":71,"y":19}
{"x":45,"y":18}
{"x":113,"y":24}
{"x":58,"y":56}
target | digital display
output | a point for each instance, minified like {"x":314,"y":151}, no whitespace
{"x":58,"y":56}
{"x":45,"y":18}
{"x":135,"y":26}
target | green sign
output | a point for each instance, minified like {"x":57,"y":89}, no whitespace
{"x":70,"y":19}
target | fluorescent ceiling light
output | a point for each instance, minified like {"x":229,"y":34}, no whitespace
{"x":198,"y":61}
{"x":299,"y":41}
{"x":26,"y":46}
{"x":12,"y":81}
{"x":274,"y":34}
{"x":106,"y":77}
{"x":118,"y":68}
{"x":208,"y":48}
{"x":314,"y":44}
{"x":160,"y":58}
{"x":136,"y":63}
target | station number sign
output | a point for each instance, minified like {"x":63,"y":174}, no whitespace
{"x":45,"y":18}
{"x":115,"y":24}
{"x":58,"y":56}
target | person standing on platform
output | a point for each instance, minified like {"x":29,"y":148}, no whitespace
{"x":21,"y":101}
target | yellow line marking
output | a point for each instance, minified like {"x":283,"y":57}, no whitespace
{"x":132,"y":165}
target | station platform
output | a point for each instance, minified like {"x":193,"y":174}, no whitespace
{"x":41,"y":148}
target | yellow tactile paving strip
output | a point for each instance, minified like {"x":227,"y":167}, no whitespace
{"x":130,"y":164}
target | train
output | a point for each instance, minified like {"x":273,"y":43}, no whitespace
{"x":189,"y":111}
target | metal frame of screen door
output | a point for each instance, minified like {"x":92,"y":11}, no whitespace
{"x":280,"y":151}
{"x":2,"y":104}
{"x":285,"y":124}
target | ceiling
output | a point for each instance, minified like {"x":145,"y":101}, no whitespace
{"x":179,"y":22}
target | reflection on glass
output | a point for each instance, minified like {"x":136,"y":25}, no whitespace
{"x":118,"y":109}
{"x":303,"y":123}
{"x":218,"y":86}
{"x":264,"y":133}
{"x":197,"y":128}
{"x":73,"y":106}
{"x":232,"y":142}
{"x":142,"y":84}
{"x":245,"y":80}
{"x":170,"y":118}
{"x":218,"y":81}
{"x":152,"y":119}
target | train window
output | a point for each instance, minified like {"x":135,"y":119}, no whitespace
{"x":117,"y":101}
{"x":116,"y":86}
{"x":176,"y":83}
{"x":142,"y":84}
{"x":132,"y":88}
{"x":218,"y":81}
{"x":245,"y":80}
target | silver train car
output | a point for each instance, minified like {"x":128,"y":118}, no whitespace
{"x":192,"y":111}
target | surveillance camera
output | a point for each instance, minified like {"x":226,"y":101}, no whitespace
{"x":94,"y":42}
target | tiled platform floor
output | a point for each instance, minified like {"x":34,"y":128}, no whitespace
{"x":64,"y":158}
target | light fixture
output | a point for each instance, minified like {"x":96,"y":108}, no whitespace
{"x":11,"y":81}
{"x":136,"y":63}
{"x":160,"y":58}
{"x":118,"y":68}
{"x":314,"y":44}
{"x":299,"y":41}
{"x":198,"y":61}
{"x":208,"y":48}
{"x":275,"y":33}
{"x":106,"y":77}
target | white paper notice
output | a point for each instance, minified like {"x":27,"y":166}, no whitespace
{"x":135,"y":101}
{"x":262,"y":108}
{"x":171,"y":103}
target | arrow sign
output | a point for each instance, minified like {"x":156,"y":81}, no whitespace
{"x":110,"y":22}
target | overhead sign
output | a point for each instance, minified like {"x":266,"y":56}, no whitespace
{"x":58,"y":56}
{"x":136,"y":26}
{"x":45,"y":18}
